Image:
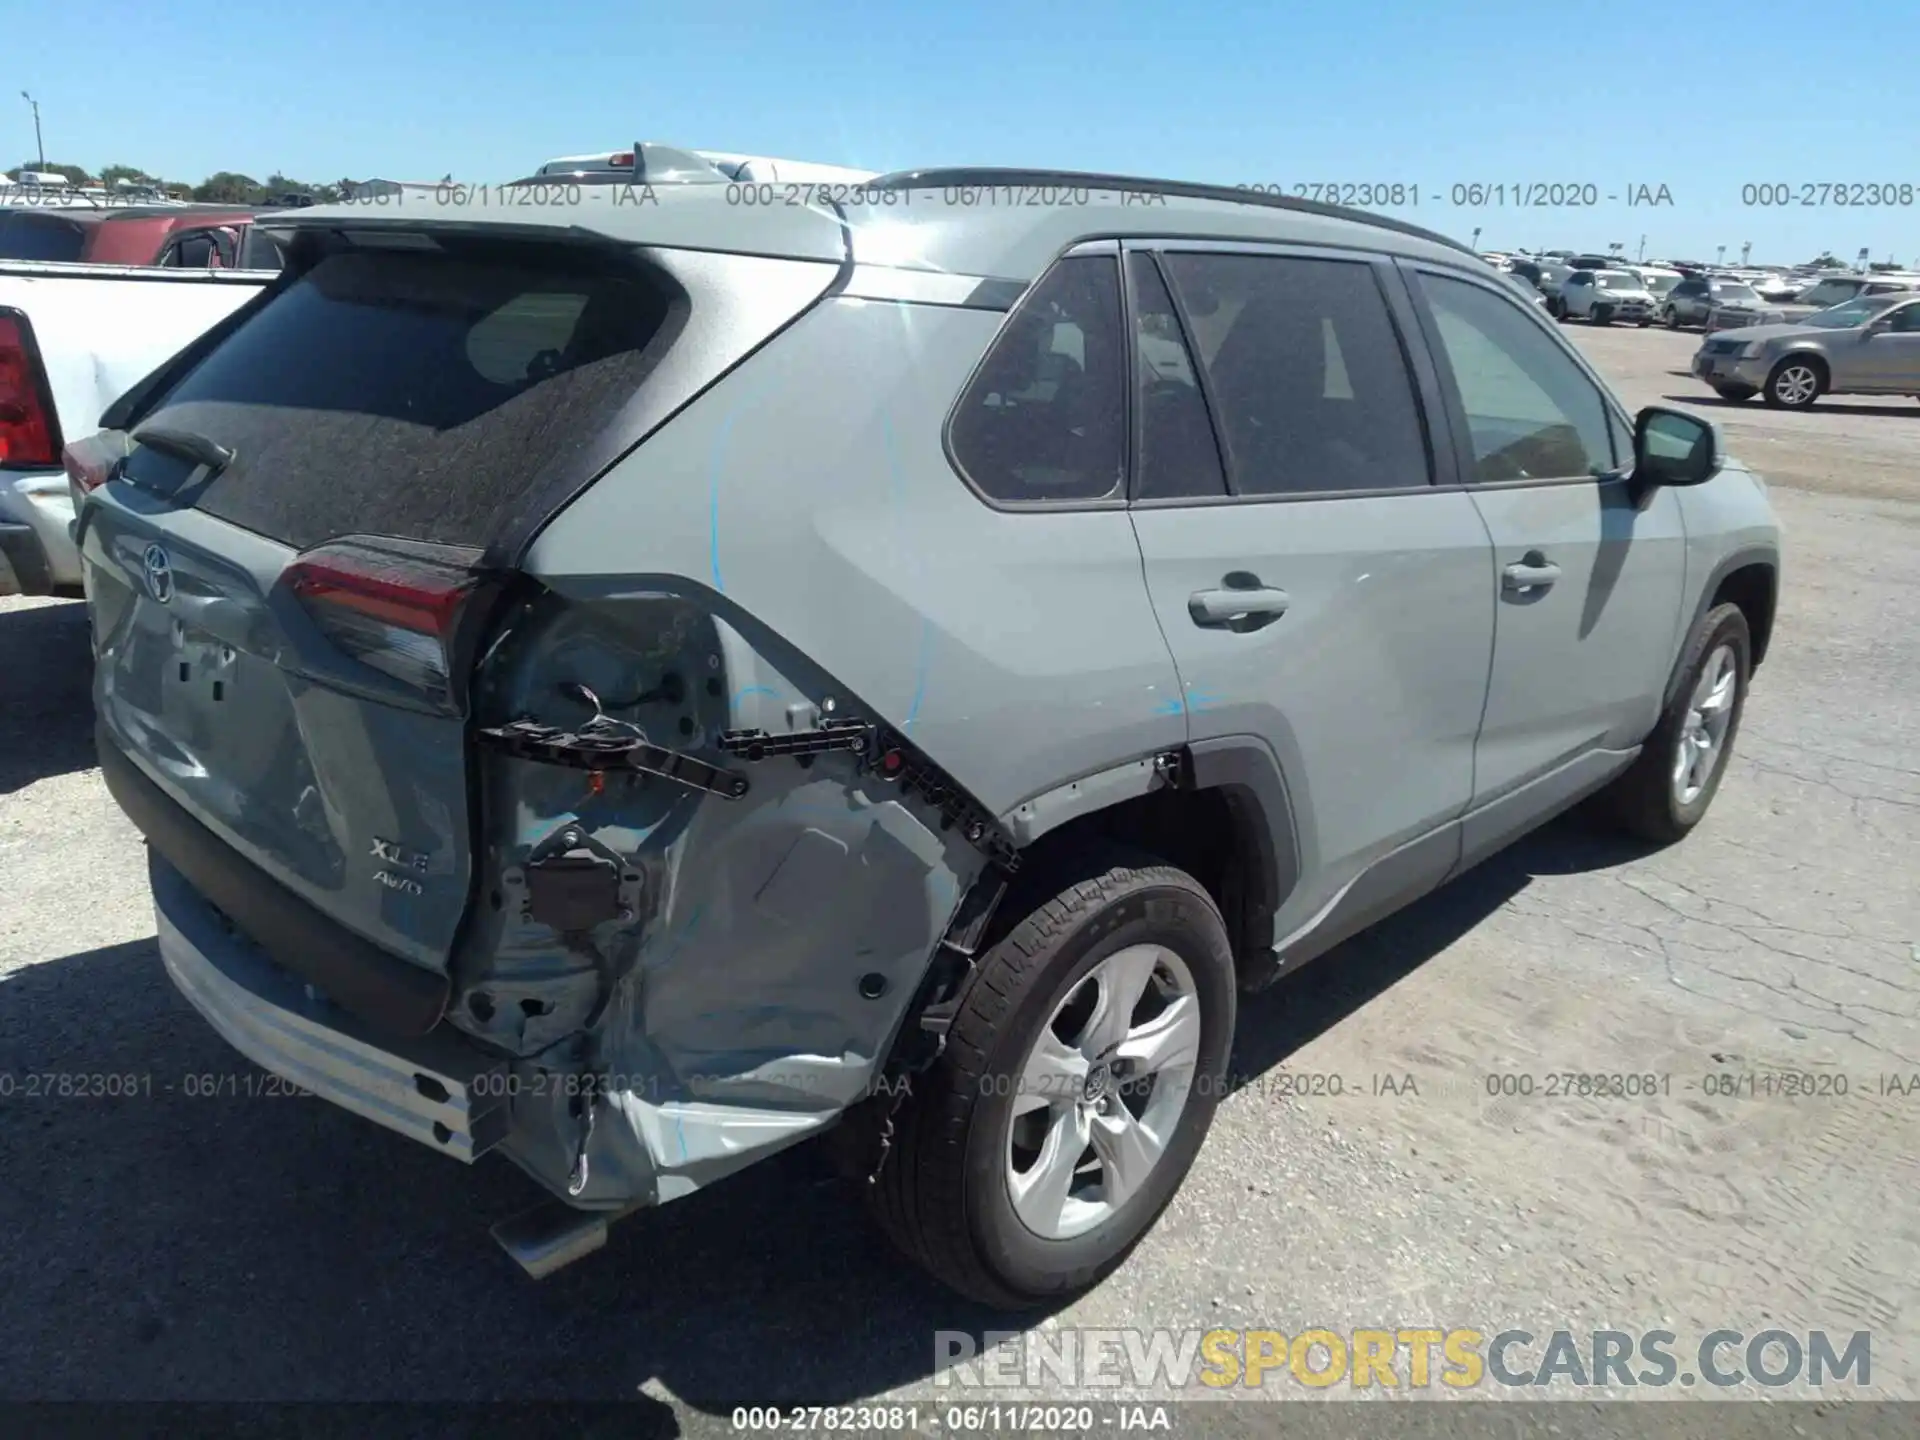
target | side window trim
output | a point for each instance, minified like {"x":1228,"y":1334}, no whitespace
{"x":1203,"y":382}
{"x":1430,"y":409}
{"x":1614,"y":413}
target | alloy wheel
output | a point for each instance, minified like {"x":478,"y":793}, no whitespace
{"x":1101,"y":1090}
{"x":1703,"y":730}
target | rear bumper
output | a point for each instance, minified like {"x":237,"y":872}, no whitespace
{"x":393,"y":996}
{"x":36,"y":510}
{"x":432,"y":1088}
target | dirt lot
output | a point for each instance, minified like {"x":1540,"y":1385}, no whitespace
{"x":275,"y":1248}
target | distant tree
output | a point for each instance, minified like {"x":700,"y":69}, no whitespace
{"x":111,"y":174}
{"x":278,"y":184}
{"x":1828,"y":261}
{"x":226,"y":187}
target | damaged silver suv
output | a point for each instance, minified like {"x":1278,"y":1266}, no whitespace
{"x":635,"y":682}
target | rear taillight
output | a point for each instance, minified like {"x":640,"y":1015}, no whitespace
{"x":91,"y":462}
{"x":398,"y":613}
{"x":29,"y":431}
{"x":622,"y":161}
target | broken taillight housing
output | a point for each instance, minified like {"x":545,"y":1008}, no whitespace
{"x":402,"y":614}
{"x":29,"y":431}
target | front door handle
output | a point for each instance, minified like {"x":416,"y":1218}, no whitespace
{"x":1237,"y":609}
{"x":1533,"y":571}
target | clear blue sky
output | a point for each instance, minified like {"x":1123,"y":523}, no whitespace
{"x":1699,"y":100}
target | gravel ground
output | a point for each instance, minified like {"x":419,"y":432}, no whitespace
{"x":269,"y":1248}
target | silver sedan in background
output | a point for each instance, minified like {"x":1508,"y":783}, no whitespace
{"x":1869,"y":346}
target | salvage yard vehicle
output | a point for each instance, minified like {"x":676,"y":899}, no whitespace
{"x":1832,"y":290}
{"x":657,"y":682}
{"x":1869,"y":346}
{"x":1604,"y":296}
{"x":72,"y":338}
{"x":1691,"y":302}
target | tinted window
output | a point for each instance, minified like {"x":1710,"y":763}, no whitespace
{"x":191,"y":252}
{"x":259,"y":251}
{"x":1531,"y":412}
{"x":1042,"y":418}
{"x":1690,"y":287}
{"x":411,"y":395}
{"x":1178,"y":453}
{"x":27,"y":236}
{"x":1905,"y":320}
{"x":1306,"y":373}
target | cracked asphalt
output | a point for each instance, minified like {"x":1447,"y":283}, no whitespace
{"x":162,"y":1246}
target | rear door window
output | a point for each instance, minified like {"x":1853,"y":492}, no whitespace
{"x":1305,"y":370}
{"x":1043,"y":419}
{"x":414,"y":396}
{"x":25,"y":235}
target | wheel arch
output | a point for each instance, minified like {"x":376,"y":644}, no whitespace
{"x":1219,"y":809}
{"x":1748,"y":577}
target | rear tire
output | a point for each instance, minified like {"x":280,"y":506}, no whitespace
{"x":1672,"y":317}
{"x":950,"y":1192}
{"x":1600,"y":315}
{"x":1648,"y":799}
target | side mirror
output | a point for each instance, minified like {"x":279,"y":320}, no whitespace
{"x":1671,"y":447}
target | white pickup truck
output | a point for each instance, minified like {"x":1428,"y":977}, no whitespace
{"x":73,"y":338}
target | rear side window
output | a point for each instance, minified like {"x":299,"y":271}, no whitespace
{"x":1531,"y":412}
{"x":1044,"y":417}
{"x":27,"y":236}
{"x":414,"y":396}
{"x":1304,"y":368}
{"x":1178,"y":456}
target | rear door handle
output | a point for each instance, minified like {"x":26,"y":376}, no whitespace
{"x":1532,"y":572}
{"x":1242,"y":609}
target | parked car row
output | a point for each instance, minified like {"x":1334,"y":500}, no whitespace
{"x":1603,"y":290}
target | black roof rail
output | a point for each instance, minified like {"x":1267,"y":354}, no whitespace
{"x":987,"y":176}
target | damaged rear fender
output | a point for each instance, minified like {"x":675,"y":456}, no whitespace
{"x":689,"y":977}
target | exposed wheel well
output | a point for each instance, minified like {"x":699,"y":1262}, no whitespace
{"x":1206,"y":832}
{"x":1754,"y":589}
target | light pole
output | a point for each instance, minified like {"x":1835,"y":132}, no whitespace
{"x":1722,"y":257}
{"x":37,"y":145}
{"x":1643,"y":249}
{"x":1476,"y":239}
{"x":1746,"y":249}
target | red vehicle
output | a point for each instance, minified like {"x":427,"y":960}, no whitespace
{"x":197,"y":238}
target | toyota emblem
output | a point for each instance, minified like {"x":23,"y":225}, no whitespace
{"x":158,"y":569}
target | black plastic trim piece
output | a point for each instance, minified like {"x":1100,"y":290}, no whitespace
{"x":987,"y":177}
{"x":1250,"y":778}
{"x":1738,"y":560}
{"x":387,"y":992}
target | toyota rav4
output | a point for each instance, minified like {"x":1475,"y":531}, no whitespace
{"x":636,"y":683}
